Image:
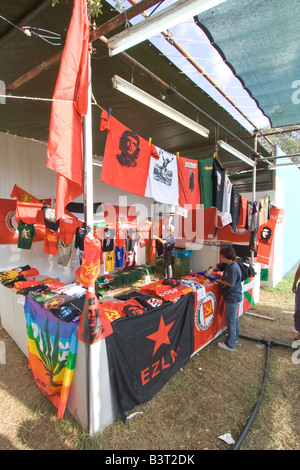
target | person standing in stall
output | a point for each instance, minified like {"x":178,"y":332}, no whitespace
{"x":296,"y":290}
{"x":231,"y":292}
{"x":168,"y":246}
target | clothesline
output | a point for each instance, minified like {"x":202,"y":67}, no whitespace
{"x":35,"y":98}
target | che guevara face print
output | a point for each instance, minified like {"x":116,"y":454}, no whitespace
{"x":129,"y":149}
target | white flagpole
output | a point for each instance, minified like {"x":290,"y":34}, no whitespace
{"x":88,"y":218}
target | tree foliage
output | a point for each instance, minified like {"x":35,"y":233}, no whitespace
{"x":288,"y":140}
{"x":94,"y":6}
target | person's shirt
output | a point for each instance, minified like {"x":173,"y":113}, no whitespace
{"x":231,"y":274}
{"x":170,"y":242}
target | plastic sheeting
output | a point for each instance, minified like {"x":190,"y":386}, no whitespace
{"x":259,"y":39}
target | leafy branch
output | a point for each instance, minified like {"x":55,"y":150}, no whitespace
{"x":94,"y":6}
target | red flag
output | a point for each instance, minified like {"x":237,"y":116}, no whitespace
{"x":65,"y":146}
{"x":27,"y":207}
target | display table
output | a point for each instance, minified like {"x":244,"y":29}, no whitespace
{"x":92,"y":404}
{"x":128,"y":367}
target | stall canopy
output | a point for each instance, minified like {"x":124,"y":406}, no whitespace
{"x":260,"y":41}
{"x":21,"y":54}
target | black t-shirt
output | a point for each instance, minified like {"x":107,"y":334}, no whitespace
{"x":218,"y":185}
{"x":235,"y":205}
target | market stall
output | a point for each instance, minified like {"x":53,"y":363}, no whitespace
{"x":94,"y":353}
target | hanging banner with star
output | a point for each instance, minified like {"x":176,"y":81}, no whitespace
{"x":144,"y":352}
{"x":88,"y":271}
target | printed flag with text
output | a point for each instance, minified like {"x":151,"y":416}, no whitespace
{"x":144,"y":352}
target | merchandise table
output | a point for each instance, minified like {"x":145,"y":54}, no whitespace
{"x":131,"y":365}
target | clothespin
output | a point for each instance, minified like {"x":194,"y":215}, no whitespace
{"x":109,"y":113}
{"x":150,"y":140}
{"x":177,"y":154}
{"x":214,"y":155}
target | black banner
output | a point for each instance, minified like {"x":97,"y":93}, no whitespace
{"x":145,"y":352}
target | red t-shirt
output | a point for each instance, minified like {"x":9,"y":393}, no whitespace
{"x":188,"y":179}
{"x":51,"y":242}
{"x":126,"y":157}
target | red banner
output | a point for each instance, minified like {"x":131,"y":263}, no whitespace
{"x":209,"y":316}
{"x":9,"y":225}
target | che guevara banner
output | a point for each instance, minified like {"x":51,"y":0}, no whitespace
{"x":126,"y":157}
{"x":144,"y":352}
{"x":265,"y":237}
{"x":70,"y":103}
{"x":94,"y":325}
{"x":52,"y":348}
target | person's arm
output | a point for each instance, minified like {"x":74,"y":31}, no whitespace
{"x":211,"y":269}
{"x":296,"y":279}
{"x":223,"y":283}
{"x":159,"y":239}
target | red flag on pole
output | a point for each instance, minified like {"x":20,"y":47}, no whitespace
{"x":65,"y":146}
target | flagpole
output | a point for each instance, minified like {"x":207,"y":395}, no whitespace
{"x":88,"y":218}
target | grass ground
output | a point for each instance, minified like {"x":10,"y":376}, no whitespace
{"x":214,"y":394}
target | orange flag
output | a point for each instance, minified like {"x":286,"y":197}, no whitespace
{"x":65,"y":145}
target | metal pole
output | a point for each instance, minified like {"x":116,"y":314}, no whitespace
{"x":88,"y":218}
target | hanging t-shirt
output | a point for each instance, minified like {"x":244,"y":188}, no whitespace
{"x":26,"y":234}
{"x":49,"y":218}
{"x":119,"y":256}
{"x":218,"y":184}
{"x":267,"y":205}
{"x":206,"y":181}
{"x":126,"y":157}
{"x":129,"y":261}
{"x":108,"y":239}
{"x":255,"y":217}
{"x":27,"y":205}
{"x":189,"y":187}
{"x":131,"y":239}
{"x":109,"y":261}
{"x":262,"y":218}
{"x":248,"y":225}
{"x":235,"y":207}
{"x":226,"y":194}
{"x":243,"y":213}
{"x":144,"y":234}
{"x":162,"y":182}
{"x":51,"y":242}
{"x":121,"y":235}
{"x":67,"y":229}
{"x":63,"y":253}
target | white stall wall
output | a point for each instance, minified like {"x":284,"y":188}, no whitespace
{"x":23,"y":162}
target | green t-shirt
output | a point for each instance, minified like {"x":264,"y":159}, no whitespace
{"x":26,"y":234}
{"x":206,"y":181}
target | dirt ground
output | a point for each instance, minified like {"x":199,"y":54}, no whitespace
{"x":212,"y":395}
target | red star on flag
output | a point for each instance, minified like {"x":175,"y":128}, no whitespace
{"x":161,"y":335}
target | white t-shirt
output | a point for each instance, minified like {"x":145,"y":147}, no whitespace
{"x":227,"y":195}
{"x":162,"y":182}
